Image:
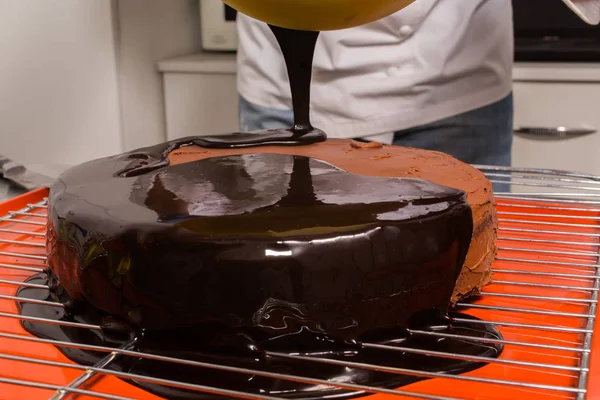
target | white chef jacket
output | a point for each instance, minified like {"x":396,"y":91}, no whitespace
{"x":588,"y":10}
{"x":431,"y":60}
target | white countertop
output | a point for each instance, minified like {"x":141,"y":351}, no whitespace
{"x":225,"y":63}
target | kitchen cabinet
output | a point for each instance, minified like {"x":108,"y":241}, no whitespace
{"x":558,"y":96}
{"x":200,"y":95}
{"x":201,"y":99}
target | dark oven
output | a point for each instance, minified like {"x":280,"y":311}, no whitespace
{"x":546,"y":30}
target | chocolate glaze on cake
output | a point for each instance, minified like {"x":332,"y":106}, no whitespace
{"x":268,"y":242}
{"x":398,"y":162}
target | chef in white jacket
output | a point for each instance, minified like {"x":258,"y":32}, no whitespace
{"x":436,"y":75}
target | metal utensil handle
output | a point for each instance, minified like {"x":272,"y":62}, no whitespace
{"x":557,"y":132}
{"x":22,"y":176}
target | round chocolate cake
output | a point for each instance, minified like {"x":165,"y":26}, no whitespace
{"x":334,"y":237}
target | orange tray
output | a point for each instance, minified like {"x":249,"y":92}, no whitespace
{"x":530,"y":262}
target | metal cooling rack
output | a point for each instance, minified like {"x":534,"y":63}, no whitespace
{"x":548,"y":259}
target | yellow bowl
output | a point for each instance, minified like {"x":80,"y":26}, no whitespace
{"x":318,"y":15}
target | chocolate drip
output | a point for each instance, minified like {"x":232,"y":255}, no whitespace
{"x":298,"y":48}
{"x":221,"y":346}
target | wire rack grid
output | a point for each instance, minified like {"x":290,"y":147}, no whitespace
{"x":543,"y":300}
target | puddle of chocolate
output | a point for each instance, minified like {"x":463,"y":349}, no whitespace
{"x":218,"y":345}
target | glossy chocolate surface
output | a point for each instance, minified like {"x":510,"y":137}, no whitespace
{"x":268,"y":242}
{"x":223,"y":347}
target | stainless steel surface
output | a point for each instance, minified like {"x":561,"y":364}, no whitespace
{"x":559,"y":132}
{"x":587,"y":341}
{"x":23,"y":176}
{"x":89,"y":374}
{"x":9,"y":189}
{"x":575,"y":273}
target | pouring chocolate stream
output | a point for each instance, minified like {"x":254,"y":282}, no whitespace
{"x":298,"y":48}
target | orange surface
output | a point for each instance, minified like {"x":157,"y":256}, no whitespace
{"x":441,"y":387}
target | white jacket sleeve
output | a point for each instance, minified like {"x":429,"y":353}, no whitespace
{"x":588,"y":10}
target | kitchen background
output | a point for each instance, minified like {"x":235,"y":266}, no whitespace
{"x":86,"y":79}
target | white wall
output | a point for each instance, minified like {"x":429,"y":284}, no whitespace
{"x":150,"y":31}
{"x":58,"y":81}
{"x":79,"y":78}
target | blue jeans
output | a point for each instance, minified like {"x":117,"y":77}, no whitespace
{"x":482,"y":136}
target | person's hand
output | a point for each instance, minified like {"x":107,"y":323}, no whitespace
{"x":588,"y":10}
